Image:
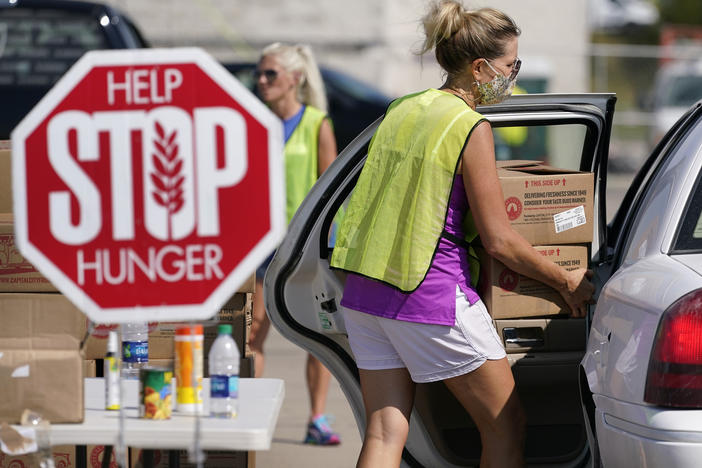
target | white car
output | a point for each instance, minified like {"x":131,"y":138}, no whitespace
{"x":618,"y":14}
{"x":620,"y":388}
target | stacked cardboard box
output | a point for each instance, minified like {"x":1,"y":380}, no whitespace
{"x":16,"y":273}
{"x":548,"y":205}
{"x":552,"y":209}
{"x":237,"y":312}
{"x":41,"y":367}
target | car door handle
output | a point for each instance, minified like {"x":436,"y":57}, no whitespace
{"x":514,"y":340}
{"x":523,"y":342}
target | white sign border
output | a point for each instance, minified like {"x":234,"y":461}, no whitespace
{"x":249,"y":263}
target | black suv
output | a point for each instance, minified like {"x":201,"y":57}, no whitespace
{"x":41,"y":39}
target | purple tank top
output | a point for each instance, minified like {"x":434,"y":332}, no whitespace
{"x":434,"y":301}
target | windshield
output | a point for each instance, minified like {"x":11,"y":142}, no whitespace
{"x":38,"y":46}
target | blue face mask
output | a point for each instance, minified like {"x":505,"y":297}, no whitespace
{"x":499,"y":88}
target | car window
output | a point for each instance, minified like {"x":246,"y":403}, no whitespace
{"x":246,"y":77}
{"x":38,"y":45}
{"x":689,"y":238}
{"x":650,"y":194}
{"x":557,"y":145}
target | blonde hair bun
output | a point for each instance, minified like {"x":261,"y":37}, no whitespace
{"x":460,"y":36}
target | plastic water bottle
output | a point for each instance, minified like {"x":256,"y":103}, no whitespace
{"x":135,"y":348}
{"x":224,"y":374}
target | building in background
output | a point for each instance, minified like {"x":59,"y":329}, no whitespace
{"x":368,"y":39}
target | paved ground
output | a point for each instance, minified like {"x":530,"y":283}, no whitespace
{"x":286,"y":361}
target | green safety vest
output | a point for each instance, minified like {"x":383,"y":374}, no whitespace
{"x":397,"y":211}
{"x":301,"y":158}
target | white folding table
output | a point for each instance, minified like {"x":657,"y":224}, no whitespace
{"x":260,"y":401}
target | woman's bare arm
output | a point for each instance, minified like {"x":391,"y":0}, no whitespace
{"x":327,"y":147}
{"x":486,"y":201}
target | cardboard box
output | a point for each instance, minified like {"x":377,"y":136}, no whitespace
{"x":510,"y":295}
{"x":94,"y":455}
{"x":237,"y":311}
{"x":89,"y":368}
{"x":246,"y":365}
{"x":41,"y":366}
{"x":64,"y":457}
{"x":215,"y":459}
{"x":249,"y":286}
{"x":547,"y":205}
{"x":16,"y":273}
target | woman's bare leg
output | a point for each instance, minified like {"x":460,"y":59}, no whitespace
{"x":259,"y":329}
{"x":318,"y":378}
{"x":489,"y":395}
{"x":388,"y":396}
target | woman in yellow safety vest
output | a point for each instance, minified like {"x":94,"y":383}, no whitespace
{"x":409,"y":308}
{"x":289,"y":81}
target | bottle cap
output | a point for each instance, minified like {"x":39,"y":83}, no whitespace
{"x":190,"y":330}
{"x":112,"y":344}
{"x":224,"y":329}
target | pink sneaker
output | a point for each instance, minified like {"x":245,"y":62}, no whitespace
{"x":320,"y":433}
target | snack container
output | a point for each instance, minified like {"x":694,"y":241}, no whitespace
{"x":155,"y":393}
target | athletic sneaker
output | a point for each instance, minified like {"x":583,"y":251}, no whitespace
{"x":320,"y":433}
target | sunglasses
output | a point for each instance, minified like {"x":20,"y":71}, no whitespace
{"x":270,"y":75}
{"x":516,"y":65}
{"x":515,"y":68}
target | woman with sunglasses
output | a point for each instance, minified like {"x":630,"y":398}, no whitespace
{"x":410,"y":310}
{"x":289,"y":82}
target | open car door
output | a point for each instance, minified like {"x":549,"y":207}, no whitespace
{"x":302,"y":294}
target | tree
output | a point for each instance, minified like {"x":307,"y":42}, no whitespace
{"x":680,"y":11}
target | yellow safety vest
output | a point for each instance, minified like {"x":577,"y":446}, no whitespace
{"x":398,"y":208}
{"x":301,"y":158}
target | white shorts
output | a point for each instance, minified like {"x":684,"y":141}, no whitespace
{"x":429,"y":352}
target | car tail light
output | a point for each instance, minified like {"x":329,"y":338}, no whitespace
{"x":675,"y":367}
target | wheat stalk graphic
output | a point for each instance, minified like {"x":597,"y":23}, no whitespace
{"x":167,"y":177}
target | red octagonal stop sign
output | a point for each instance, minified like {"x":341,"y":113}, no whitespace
{"x":148,"y":185}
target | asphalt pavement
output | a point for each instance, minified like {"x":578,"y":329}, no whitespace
{"x":286,"y":361}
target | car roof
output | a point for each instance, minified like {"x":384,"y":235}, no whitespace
{"x":60,"y":4}
{"x":681,"y":68}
